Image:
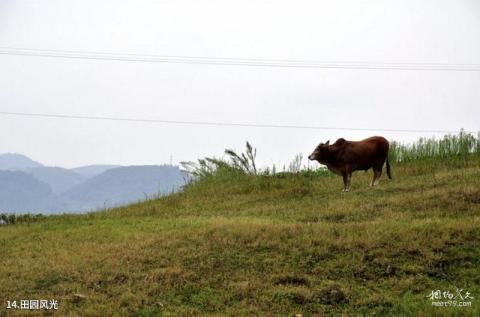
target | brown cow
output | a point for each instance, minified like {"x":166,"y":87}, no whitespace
{"x":344,"y":157}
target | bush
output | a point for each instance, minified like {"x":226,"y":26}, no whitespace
{"x":10,"y":219}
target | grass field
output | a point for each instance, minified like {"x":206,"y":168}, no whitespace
{"x":233,"y":244}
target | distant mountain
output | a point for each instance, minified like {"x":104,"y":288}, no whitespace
{"x":92,"y":170}
{"x":59,"y":179}
{"x":13,"y":161}
{"x":22,"y":193}
{"x":28,"y":186}
{"x":124,"y":185}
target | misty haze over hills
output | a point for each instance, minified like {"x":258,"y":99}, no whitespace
{"x":92,"y":170}
{"x":27,"y":186}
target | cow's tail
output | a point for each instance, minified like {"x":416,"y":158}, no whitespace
{"x":388,"y":169}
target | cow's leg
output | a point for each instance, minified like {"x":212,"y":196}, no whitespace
{"x":346,"y":181}
{"x":377,"y":175}
{"x":377,"y":172}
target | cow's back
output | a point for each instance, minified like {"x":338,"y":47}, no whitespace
{"x":363,"y":154}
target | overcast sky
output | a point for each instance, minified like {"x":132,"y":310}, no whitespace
{"x":434,"y":31}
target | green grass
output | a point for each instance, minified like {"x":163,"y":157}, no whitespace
{"x":443,"y":148}
{"x":233,"y":244}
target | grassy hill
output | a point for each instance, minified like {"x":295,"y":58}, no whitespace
{"x":234,"y":244}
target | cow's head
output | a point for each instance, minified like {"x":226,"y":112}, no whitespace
{"x":319,"y":153}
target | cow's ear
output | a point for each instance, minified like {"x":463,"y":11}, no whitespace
{"x":328,"y":142}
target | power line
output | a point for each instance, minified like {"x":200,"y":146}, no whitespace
{"x":218,"y":124}
{"x":285,"y":63}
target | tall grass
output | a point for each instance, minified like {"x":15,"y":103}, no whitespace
{"x":450,"y":146}
{"x":236,"y":162}
{"x":462,"y":144}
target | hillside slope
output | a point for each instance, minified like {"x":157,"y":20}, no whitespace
{"x":240,"y":245}
{"x":16,"y":162}
{"x":89,"y":171}
{"x":60,"y":179}
{"x":21,"y":192}
{"x":123,"y":185}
